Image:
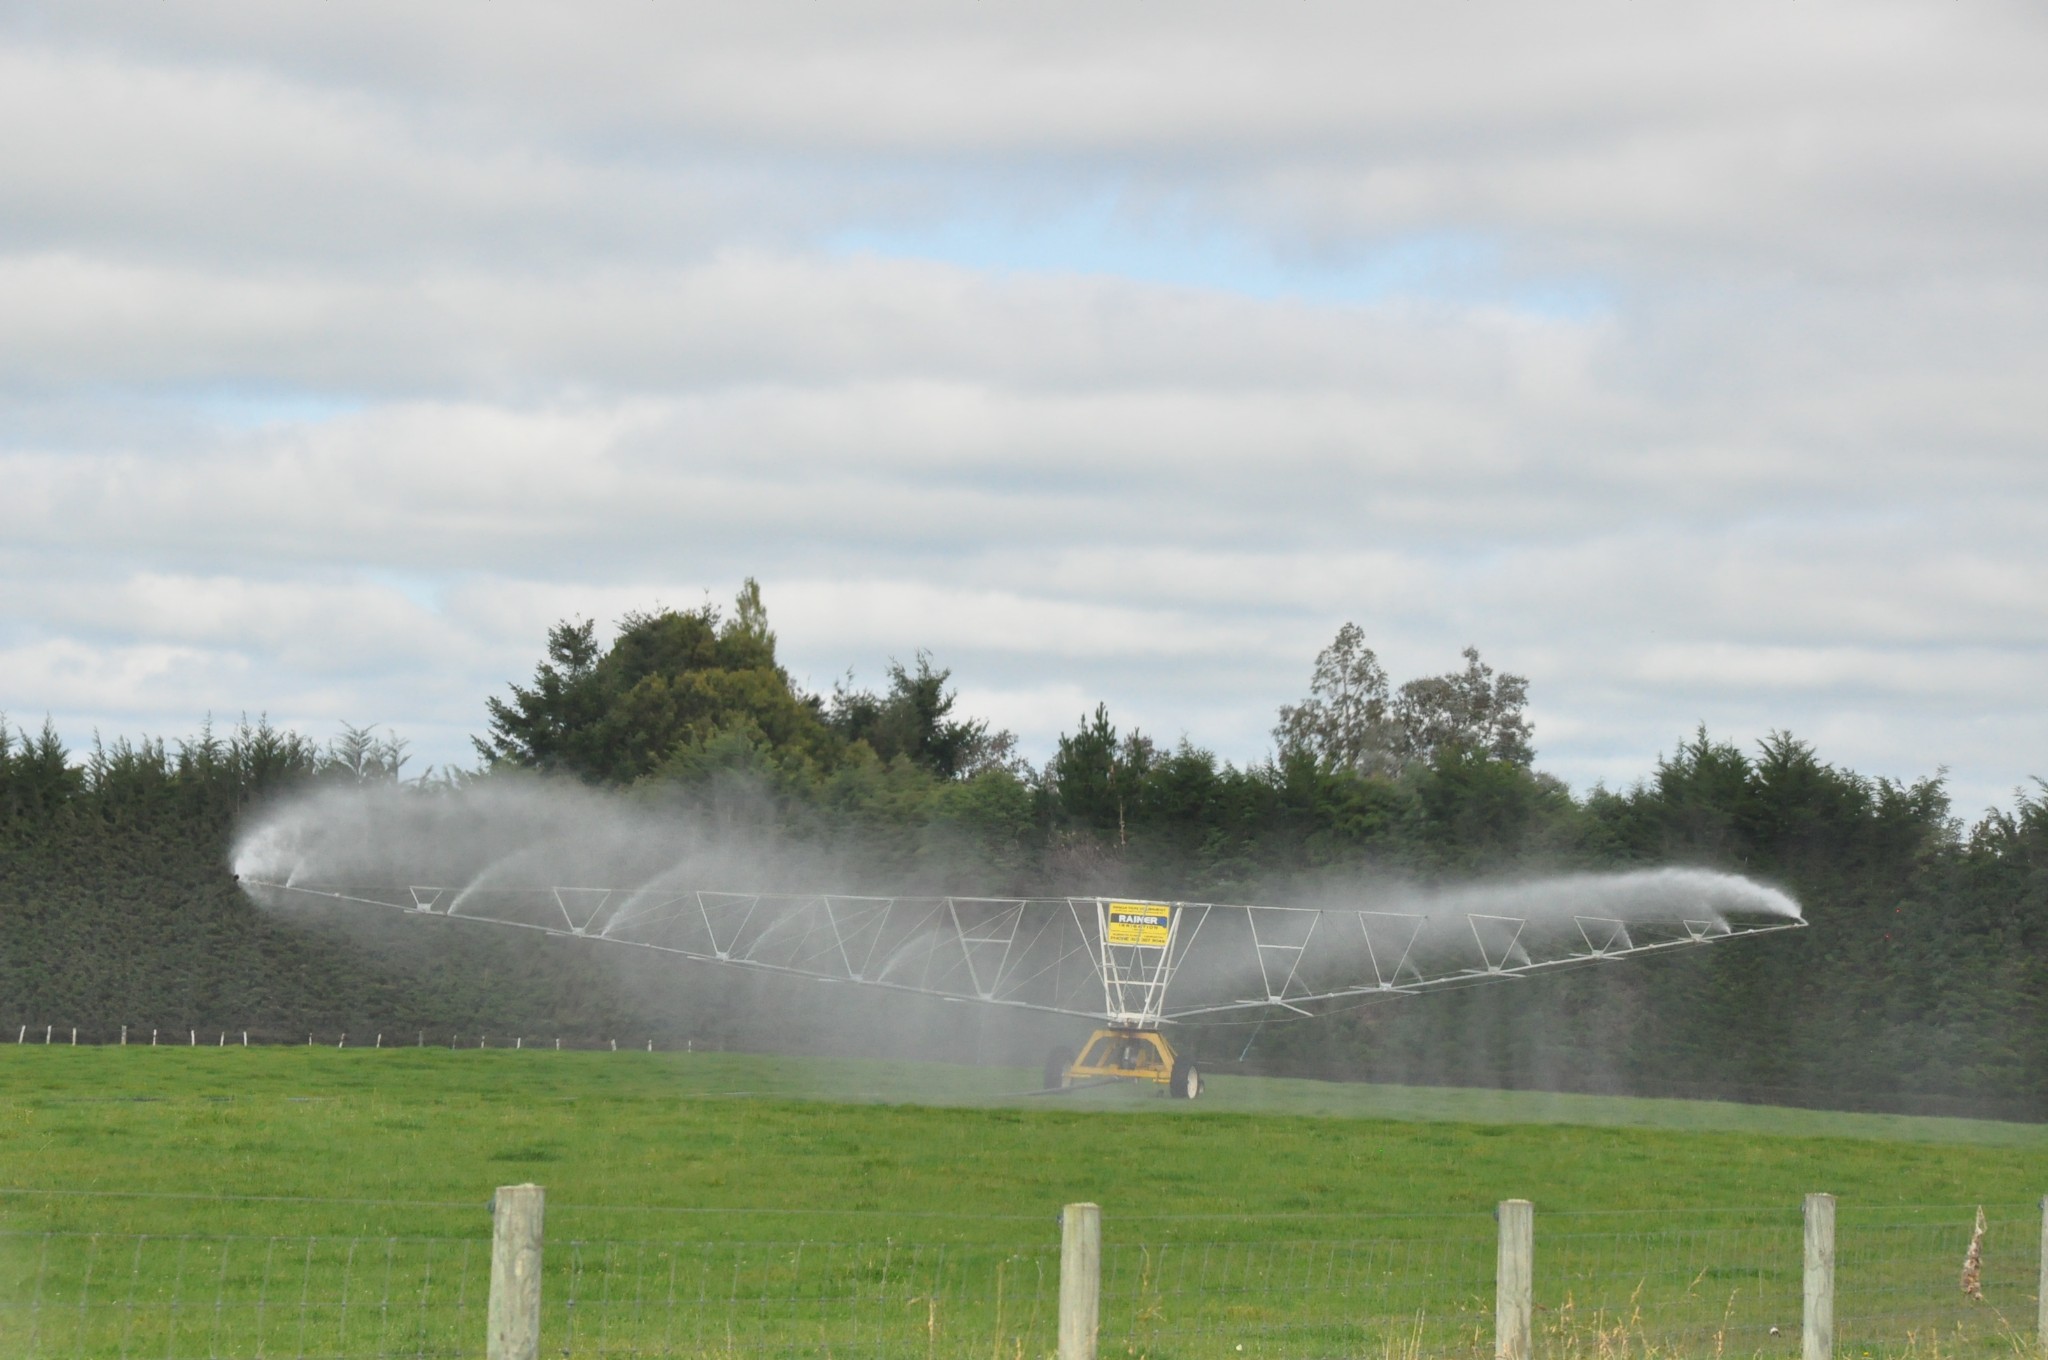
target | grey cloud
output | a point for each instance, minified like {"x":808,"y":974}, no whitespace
{"x":560,"y":300}
{"x":238,"y":167}
{"x":1848,"y":138}
{"x":742,"y":317}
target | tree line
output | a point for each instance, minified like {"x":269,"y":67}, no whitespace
{"x":1920,"y":985}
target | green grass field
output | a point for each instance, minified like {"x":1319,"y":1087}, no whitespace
{"x":169,"y":1201}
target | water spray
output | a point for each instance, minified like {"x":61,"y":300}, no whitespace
{"x":573,"y":866}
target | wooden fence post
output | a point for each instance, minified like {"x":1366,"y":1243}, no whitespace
{"x":1080,"y":1280}
{"x":514,"y":1314}
{"x":1514,"y":1279}
{"x":1817,"y":1332}
{"x":2041,"y":1293}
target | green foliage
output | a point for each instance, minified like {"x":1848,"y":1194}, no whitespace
{"x":117,"y":906}
{"x":914,"y":720}
{"x":1472,"y":709}
{"x":1093,"y":777}
{"x":668,"y":680}
{"x":37,"y":780}
{"x":1345,"y":722}
{"x":1924,"y":978}
{"x":1350,"y":722}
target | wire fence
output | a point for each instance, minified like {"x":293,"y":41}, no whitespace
{"x":1275,"y":1298}
{"x":138,"y":1294}
{"x":1718,"y":1283}
{"x":215,"y":1037}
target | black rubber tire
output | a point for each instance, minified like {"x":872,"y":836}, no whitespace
{"x":1186,"y":1080}
{"x":1056,"y":1064}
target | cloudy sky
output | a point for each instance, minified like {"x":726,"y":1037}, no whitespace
{"x":1689,"y":361}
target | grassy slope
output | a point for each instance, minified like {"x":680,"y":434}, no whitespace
{"x":613,"y":1134}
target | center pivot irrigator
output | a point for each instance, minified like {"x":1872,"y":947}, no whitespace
{"x":1135,"y":968}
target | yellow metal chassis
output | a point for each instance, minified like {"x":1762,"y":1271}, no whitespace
{"x":1126,"y":1054}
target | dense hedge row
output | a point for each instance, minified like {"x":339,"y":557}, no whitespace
{"x":1920,"y":985}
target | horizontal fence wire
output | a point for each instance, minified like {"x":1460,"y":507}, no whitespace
{"x":185,"y":1036}
{"x":1413,"y":1294}
{"x":1307,"y":1298}
{"x":1730,"y":1283}
{"x":882,"y":1298}
{"x":1709,"y":1283}
{"x":1898,"y":1280}
{"x":145,"y":1295}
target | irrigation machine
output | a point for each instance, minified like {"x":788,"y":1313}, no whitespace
{"x":1135,"y":969}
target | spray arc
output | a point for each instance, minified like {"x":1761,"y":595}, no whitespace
{"x":1134,"y":968}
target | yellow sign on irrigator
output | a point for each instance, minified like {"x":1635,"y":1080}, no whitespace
{"x":1146,"y":923}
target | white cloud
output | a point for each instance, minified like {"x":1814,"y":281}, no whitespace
{"x":1695,"y":373}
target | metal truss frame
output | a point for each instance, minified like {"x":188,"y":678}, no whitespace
{"x":1055,"y":955}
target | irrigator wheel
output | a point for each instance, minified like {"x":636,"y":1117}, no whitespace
{"x":1186,"y":1082}
{"x":1056,"y":1064}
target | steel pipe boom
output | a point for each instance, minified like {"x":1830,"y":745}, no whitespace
{"x":1125,"y":962}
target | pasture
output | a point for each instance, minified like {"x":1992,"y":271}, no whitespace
{"x":210,"y":1201}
